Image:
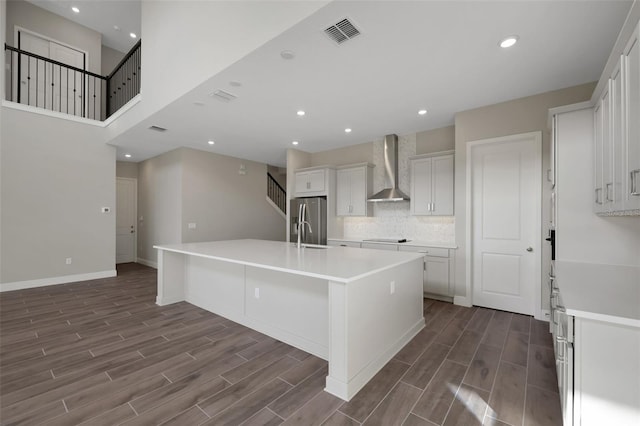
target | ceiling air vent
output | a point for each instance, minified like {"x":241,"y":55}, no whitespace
{"x":223,"y":96}
{"x":158,"y":128}
{"x":342,"y":31}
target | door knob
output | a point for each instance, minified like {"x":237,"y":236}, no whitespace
{"x":529,"y":249}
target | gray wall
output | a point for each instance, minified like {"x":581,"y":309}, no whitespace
{"x":436,"y":140}
{"x":522,"y":115}
{"x":31,"y":17}
{"x":223,"y":203}
{"x":55,"y":175}
{"x":159,"y":203}
{"x":190,"y":186}
{"x":110,"y":58}
{"x":126,"y":169}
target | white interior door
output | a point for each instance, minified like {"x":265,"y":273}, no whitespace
{"x":505,"y":185}
{"x":126,"y":212}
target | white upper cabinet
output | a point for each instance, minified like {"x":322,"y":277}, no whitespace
{"x":432,"y":185}
{"x":617,"y":135}
{"x":312,"y":182}
{"x":631,"y":144}
{"x":353,"y":186}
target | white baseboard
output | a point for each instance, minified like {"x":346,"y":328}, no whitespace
{"x":348,"y":390}
{"x":20,"y":285}
{"x":462,"y":301}
{"x":145,"y":262}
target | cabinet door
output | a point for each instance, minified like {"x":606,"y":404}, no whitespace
{"x":343,"y":192}
{"x":632,"y":139}
{"x":607,"y":143}
{"x":436,"y":275}
{"x":302,"y":182}
{"x":614,"y":183}
{"x":316,"y":180}
{"x":442,"y":186}
{"x":597,"y":157}
{"x":421,"y":186}
{"x":358,"y":185}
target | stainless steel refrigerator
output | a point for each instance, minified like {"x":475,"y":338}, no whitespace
{"x":316,"y":217}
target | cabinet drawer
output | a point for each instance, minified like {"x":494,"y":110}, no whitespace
{"x":429,"y":251}
{"x":343,"y":243}
{"x":390,"y":247}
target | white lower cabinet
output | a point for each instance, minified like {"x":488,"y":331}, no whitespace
{"x":438,"y":265}
{"x":438,"y":270}
{"x":598,"y":367}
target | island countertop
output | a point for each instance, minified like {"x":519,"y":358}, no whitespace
{"x":339,"y":264}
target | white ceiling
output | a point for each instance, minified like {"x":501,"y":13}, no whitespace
{"x":101,"y":16}
{"x":442,"y":56}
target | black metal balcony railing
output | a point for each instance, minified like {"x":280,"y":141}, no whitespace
{"x":44,"y":83}
{"x":276,"y":193}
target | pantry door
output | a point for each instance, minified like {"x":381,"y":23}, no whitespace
{"x":505,"y":229}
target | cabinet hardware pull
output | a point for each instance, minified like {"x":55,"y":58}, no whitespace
{"x":561,"y":309}
{"x":607,"y":186}
{"x":598,"y":191}
{"x":634,"y":182}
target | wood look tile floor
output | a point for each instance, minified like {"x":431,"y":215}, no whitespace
{"x":102,"y":353}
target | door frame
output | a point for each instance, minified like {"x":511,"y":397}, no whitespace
{"x":536,"y":138}
{"x":135,"y":211}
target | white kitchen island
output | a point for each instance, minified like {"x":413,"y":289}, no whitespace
{"x":356,"y":308}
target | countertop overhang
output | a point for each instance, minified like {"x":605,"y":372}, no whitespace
{"x":338,"y":264}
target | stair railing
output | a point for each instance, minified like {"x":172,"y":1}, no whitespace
{"x":276,"y":193}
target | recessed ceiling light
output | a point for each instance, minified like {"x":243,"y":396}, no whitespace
{"x":133,"y":35}
{"x":509,"y":41}
{"x":117,"y":28}
{"x":198,"y":103}
{"x":295,"y":142}
{"x":75,"y":9}
{"x":211,"y":142}
{"x":235,"y":83}
{"x":347,"y":130}
{"x":300,"y":113}
{"x":422,"y":112}
{"x":287,"y":54}
{"x":128,"y":155}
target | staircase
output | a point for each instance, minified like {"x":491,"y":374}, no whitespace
{"x":276,"y":194}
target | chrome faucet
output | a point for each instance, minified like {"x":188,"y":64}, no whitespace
{"x":302,"y":211}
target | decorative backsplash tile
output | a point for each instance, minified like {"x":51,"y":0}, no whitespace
{"x":392,"y":220}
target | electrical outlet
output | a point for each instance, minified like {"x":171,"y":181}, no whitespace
{"x":105,"y":209}
{"x":256,"y":293}
{"x":68,"y":261}
{"x":392,"y":287}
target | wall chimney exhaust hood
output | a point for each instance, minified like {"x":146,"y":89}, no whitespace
{"x":390,"y":158}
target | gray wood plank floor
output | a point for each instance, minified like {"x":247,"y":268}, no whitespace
{"x":102,"y":353}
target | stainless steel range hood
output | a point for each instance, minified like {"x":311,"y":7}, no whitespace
{"x":390,"y":158}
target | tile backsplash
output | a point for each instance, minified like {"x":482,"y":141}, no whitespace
{"x":393,"y":220}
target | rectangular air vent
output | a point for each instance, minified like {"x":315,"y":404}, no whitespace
{"x":158,"y":128}
{"x":342,"y":31}
{"x":223,"y":96}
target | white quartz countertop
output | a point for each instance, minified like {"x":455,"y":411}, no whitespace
{"x":340,"y":264}
{"x":410,"y":242}
{"x":601,"y":292}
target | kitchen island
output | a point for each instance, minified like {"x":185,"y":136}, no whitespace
{"x":356,"y":308}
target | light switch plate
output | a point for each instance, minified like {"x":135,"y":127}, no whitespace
{"x":192,"y":226}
